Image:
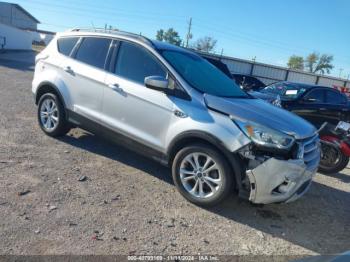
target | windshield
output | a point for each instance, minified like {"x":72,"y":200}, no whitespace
{"x":202,"y":75}
{"x":285,"y":91}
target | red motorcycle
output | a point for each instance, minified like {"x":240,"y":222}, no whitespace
{"x":335,"y":147}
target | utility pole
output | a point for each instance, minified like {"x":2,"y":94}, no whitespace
{"x":189,"y":35}
{"x":340,"y":71}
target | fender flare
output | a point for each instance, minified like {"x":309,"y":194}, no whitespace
{"x":186,"y":137}
{"x":47,"y":83}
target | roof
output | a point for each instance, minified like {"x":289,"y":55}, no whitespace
{"x":107,"y":32}
{"x":166,"y":46}
{"x":42,"y":31}
{"x":301,"y":85}
{"x":114,"y":32}
{"x":24,"y":11}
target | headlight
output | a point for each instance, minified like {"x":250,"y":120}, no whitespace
{"x":265,"y":136}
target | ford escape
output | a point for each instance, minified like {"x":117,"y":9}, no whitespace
{"x":170,"y":104}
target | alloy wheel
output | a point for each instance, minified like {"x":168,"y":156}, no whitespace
{"x":200,"y":175}
{"x":49,"y":116}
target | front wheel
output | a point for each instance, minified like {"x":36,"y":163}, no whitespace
{"x":332,"y":159}
{"x":202,"y":175}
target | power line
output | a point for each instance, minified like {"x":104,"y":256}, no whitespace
{"x":153,"y":18}
{"x":243,"y":36}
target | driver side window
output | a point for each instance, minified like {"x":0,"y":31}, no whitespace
{"x":315,"y":96}
{"x":135,"y":63}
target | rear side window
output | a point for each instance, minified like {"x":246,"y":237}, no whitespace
{"x":135,"y":63}
{"x":66,"y":44}
{"x":93,"y":51}
{"x":333,"y":97}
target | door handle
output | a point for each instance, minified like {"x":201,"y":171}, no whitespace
{"x":68,"y":69}
{"x":116,"y":87}
{"x":323,"y":109}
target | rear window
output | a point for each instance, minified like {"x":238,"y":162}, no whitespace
{"x":66,"y":44}
{"x":93,"y":51}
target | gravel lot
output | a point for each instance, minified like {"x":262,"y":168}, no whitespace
{"x":128,"y":204}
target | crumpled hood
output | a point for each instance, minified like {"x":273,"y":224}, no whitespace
{"x":263,"y":113}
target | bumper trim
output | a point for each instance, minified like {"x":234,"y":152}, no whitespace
{"x":279,"y":181}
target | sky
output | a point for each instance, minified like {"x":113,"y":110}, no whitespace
{"x":270,"y":30}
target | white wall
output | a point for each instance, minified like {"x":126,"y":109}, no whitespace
{"x":16,"y":38}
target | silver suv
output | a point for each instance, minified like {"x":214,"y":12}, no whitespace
{"x":175,"y":107}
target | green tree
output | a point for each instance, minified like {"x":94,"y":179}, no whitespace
{"x":296,"y":62}
{"x":170,"y":36}
{"x":205,"y":44}
{"x":160,"y":35}
{"x":316,"y":63}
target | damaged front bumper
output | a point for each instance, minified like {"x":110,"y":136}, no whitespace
{"x":279,"y":180}
{"x":280,"y":177}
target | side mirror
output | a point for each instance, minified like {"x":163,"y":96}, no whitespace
{"x":156,"y":82}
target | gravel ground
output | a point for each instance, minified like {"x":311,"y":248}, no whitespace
{"x":129,"y":205}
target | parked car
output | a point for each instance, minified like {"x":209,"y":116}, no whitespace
{"x":175,"y":107}
{"x":249,"y":84}
{"x":317,"y":104}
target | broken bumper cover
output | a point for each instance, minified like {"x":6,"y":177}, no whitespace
{"x":279,"y":180}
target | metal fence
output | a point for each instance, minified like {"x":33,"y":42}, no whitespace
{"x":270,"y":74}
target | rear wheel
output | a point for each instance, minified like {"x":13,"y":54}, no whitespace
{"x":51,"y":116}
{"x":202,"y":175}
{"x":332,"y":159}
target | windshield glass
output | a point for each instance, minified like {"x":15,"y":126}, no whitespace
{"x":202,"y":75}
{"x":285,"y":91}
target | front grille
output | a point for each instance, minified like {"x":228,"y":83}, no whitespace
{"x":309,"y":150}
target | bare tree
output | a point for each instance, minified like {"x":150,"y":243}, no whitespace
{"x":205,"y":44}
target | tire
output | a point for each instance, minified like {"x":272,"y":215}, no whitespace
{"x":51,"y":116}
{"x":216,"y":183}
{"x":336,"y":166}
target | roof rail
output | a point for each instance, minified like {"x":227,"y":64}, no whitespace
{"x":113,"y":31}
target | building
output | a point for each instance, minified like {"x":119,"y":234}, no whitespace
{"x":19,"y":29}
{"x":16,"y":16}
{"x":269,"y":73}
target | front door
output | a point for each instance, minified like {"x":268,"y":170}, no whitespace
{"x":308,"y":107}
{"x":129,"y":107}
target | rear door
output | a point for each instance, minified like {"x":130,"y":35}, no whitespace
{"x":129,"y":107}
{"x":84,"y":74}
{"x":335,"y":108}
